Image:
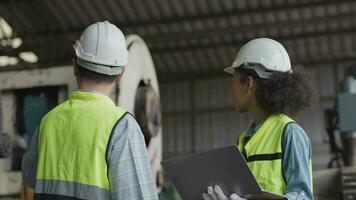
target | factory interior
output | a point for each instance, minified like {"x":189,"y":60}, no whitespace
{"x":174,"y":83}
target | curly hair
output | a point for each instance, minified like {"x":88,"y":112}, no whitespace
{"x":284,"y":92}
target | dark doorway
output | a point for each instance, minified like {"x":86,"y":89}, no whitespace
{"x":32,"y":105}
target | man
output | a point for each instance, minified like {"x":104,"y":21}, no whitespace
{"x":86,"y":147}
{"x":276,"y":148}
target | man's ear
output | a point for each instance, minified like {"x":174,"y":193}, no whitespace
{"x":118,"y":78}
{"x":75,"y":67}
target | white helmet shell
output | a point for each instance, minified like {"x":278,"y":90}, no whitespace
{"x":265,"y":52}
{"x":102,"y":49}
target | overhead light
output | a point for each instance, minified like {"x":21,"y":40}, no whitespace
{"x":6,"y":39}
{"x":3,"y":42}
{"x":6,"y":30}
{"x":16,"y":43}
{"x":13,"y":61}
{"x":29,"y":56}
{"x":6,"y":61}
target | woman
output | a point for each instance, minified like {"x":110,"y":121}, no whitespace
{"x":276,"y":148}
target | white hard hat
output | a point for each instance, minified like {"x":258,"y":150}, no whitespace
{"x":102,"y":49}
{"x":264,"y":55}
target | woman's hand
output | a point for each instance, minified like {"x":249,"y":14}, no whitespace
{"x":215,"y":193}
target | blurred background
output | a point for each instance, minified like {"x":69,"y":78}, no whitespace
{"x":190,"y":41}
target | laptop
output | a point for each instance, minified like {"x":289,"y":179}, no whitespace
{"x":225,"y":167}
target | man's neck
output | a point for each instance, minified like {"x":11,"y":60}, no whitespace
{"x":103,"y":88}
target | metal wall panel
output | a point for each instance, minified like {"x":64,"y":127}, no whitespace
{"x":198,"y":116}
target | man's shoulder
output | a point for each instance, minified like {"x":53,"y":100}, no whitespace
{"x":127,"y":127}
{"x":54,"y":110}
{"x":128,"y":121}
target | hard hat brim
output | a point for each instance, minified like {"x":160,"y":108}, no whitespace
{"x":230,"y":69}
{"x":260,"y":70}
{"x":79,"y":52}
{"x":101,"y":69}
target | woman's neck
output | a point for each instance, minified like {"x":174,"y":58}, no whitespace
{"x":258,"y":114}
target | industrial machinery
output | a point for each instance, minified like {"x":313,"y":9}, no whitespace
{"x":341,"y":123}
{"x":28,"y":95}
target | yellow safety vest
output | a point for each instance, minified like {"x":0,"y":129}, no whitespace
{"x":264,"y":153}
{"x":73,"y":140}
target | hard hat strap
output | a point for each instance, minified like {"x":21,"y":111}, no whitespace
{"x":259,"y":69}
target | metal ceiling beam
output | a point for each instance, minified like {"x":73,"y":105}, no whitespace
{"x":202,"y":17}
{"x":251,"y":28}
{"x":165,"y":78}
{"x":241,"y":30}
{"x":158,"y":52}
{"x":236,"y":43}
{"x":9,"y":1}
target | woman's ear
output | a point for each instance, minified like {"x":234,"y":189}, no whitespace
{"x":250,"y":84}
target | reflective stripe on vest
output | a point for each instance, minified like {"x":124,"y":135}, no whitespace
{"x":52,"y":189}
{"x":264,"y":153}
{"x":73,"y":140}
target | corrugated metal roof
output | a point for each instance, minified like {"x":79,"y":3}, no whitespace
{"x":189,"y":37}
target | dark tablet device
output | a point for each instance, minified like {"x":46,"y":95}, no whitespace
{"x":225,"y":167}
